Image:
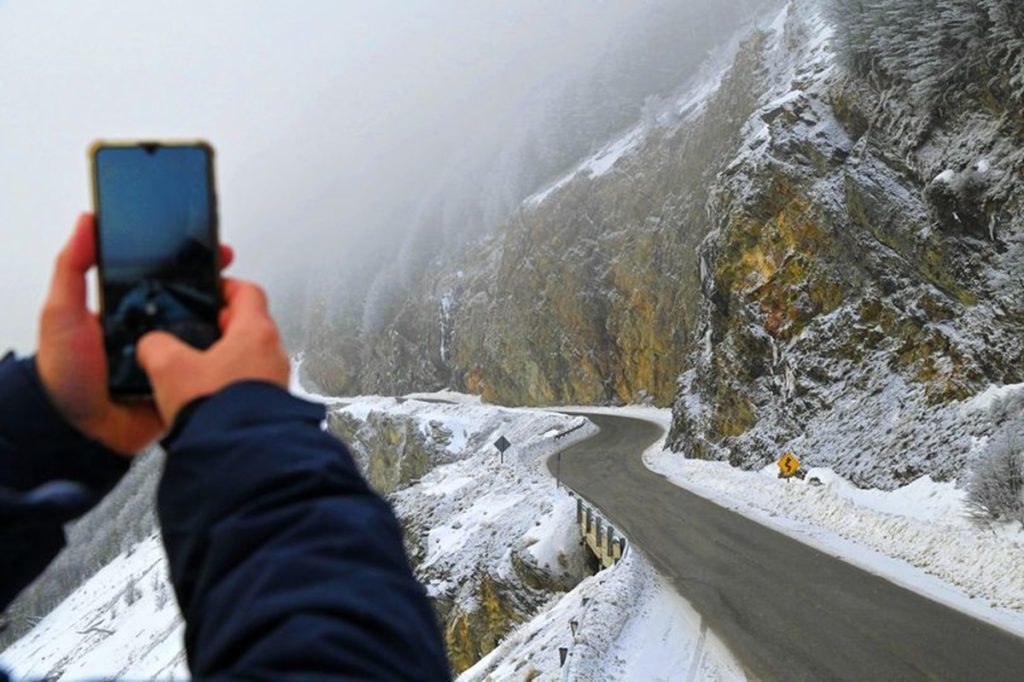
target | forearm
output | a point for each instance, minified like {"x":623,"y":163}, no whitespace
{"x":285,"y":563}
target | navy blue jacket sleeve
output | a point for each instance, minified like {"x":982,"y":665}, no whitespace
{"x":285,"y":564}
{"x":49,"y":474}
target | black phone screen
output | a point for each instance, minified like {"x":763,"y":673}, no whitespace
{"x":158,"y":251}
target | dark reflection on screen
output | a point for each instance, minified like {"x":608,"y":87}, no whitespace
{"x":158,"y":252}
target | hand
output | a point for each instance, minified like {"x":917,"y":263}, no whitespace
{"x":71,"y":360}
{"x":250,"y":350}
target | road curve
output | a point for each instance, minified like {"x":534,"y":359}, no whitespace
{"x":787,"y":611}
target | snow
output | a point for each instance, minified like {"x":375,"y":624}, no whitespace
{"x":477,"y":514}
{"x":688,"y":103}
{"x":447,"y":396}
{"x":668,"y":640}
{"x":102,"y":632}
{"x":549,"y":538}
{"x":596,"y":166}
{"x":630,"y":625}
{"x":984,"y":400}
{"x":468,"y":427}
{"x":296,"y":388}
{"x":447,"y":302}
{"x":662,"y":416}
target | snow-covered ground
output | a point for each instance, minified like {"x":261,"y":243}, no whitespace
{"x":629,"y":625}
{"x":122,"y":623}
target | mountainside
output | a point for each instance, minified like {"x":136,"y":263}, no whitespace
{"x":815,"y":244}
{"x":589,"y":292}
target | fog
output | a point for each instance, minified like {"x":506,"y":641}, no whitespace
{"x":348,"y":134}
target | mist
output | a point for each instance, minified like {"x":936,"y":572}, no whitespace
{"x":351,"y":137}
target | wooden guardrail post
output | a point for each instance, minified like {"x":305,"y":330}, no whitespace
{"x":607,"y":545}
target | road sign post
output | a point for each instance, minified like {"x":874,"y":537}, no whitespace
{"x":502,"y":444}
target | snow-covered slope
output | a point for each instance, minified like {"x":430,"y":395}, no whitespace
{"x":490,"y":536}
{"x":122,"y":623}
{"x":630,"y":625}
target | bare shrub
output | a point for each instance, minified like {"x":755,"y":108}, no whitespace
{"x":995,"y":489}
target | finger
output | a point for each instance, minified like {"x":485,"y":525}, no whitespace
{"x":158,"y":352}
{"x":67,"y":288}
{"x":227,"y":256}
{"x":244,"y":298}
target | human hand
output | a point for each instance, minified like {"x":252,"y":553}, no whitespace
{"x":249,"y":350}
{"x":71,"y":361}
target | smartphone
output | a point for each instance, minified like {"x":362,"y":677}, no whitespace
{"x":158,"y":250}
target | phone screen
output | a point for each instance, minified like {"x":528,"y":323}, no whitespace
{"x":158,"y":251}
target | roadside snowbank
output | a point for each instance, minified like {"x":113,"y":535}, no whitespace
{"x":918,"y":536}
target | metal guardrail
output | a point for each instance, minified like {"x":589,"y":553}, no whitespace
{"x":599,"y":535}
{"x":563,"y":434}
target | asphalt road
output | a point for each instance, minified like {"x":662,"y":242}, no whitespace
{"x":786,"y":610}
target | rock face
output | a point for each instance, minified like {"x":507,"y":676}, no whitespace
{"x":588,"y":296}
{"x":391,"y":450}
{"x":862,"y":280}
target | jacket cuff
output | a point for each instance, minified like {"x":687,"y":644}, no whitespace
{"x":42,"y":445}
{"x":246,"y":403}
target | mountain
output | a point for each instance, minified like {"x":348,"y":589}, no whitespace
{"x":815,"y":244}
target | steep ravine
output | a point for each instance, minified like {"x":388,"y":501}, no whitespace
{"x":491,"y":541}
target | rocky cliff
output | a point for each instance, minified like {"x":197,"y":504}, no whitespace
{"x":863,"y":275}
{"x":590,"y":292}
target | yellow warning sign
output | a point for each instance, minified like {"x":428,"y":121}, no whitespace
{"x":788,"y":465}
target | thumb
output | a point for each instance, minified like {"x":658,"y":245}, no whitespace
{"x":158,"y":352}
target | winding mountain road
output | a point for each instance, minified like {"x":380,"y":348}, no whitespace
{"x":787,"y":611}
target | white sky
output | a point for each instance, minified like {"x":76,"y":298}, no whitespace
{"x":311,"y":106}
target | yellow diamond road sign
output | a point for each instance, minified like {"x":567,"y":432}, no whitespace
{"x":788,"y":465}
